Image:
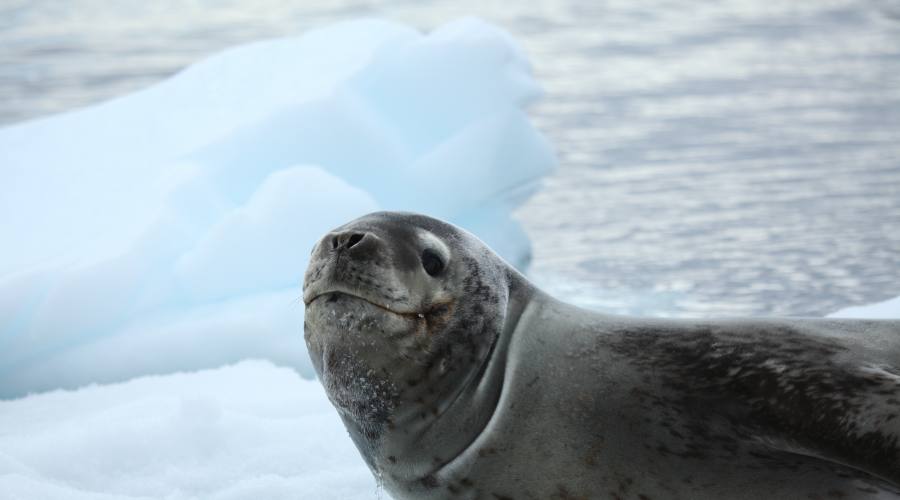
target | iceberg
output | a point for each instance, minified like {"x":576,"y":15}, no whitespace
{"x":168,"y":230}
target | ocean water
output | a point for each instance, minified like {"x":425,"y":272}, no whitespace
{"x":729,"y":158}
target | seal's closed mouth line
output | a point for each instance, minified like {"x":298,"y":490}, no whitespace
{"x":380,"y":306}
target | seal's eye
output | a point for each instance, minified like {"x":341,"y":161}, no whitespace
{"x":432,"y":262}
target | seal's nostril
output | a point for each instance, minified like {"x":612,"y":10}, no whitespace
{"x":346,"y":240}
{"x":354,"y":239}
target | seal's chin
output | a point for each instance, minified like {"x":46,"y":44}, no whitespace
{"x":355,"y":389}
{"x":352,"y":342}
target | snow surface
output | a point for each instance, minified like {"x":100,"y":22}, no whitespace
{"x":248,"y":431}
{"x":169,"y":229}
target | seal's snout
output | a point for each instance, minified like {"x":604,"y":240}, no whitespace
{"x":354,"y":261}
{"x":396,"y":262}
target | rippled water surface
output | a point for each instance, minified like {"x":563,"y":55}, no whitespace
{"x":739,"y":157}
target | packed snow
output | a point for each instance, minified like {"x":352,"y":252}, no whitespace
{"x":169,"y":229}
{"x":244,"y":432}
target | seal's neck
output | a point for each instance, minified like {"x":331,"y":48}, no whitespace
{"x":423,"y":439}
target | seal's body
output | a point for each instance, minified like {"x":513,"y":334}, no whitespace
{"x":457,"y":378}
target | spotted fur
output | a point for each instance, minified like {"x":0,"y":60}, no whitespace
{"x":470,"y":383}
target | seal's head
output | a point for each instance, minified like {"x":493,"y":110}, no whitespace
{"x":402,"y":312}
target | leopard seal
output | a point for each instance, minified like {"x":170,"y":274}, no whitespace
{"x":457,"y":378}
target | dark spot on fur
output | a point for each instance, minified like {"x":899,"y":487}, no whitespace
{"x":429,"y":481}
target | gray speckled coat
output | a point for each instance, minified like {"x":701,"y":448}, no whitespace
{"x":505,"y":393}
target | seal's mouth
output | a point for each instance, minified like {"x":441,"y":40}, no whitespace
{"x":324,"y":287}
{"x":335,"y":295}
{"x":431,"y":317}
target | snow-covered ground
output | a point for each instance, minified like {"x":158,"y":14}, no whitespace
{"x":168,"y":230}
{"x":247,"y":431}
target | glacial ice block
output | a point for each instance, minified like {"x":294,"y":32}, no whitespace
{"x":169,"y":229}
